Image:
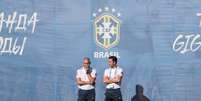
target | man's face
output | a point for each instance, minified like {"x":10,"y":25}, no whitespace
{"x":111,"y":63}
{"x":86,"y":63}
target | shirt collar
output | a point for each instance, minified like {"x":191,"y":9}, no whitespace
{"x":114,"y":68}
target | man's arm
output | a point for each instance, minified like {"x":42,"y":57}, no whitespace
{"x":116,"y":79}
{"x":106,"y":80}
{"x":91,"y":79}
{"x":119,"y":76}
{"x":80,"y":82}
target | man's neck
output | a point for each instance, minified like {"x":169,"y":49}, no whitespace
{"x":86,"y":68}
{"x":114,"y":67}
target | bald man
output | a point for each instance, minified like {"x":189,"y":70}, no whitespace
{"x":85,"y":79}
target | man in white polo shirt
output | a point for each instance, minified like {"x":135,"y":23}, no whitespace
{"x":85,"y":79}
{"x":112,"y":78}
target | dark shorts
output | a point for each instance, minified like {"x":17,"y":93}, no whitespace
{"x":113,"y":95}
{"x":86,"y":95}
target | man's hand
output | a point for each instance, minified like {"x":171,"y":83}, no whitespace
{"x":88,"y":71}
{"x":91,"y":79}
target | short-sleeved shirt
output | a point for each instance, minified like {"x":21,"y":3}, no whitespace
{"x":82,"y":74}
{"x":111,"y":73}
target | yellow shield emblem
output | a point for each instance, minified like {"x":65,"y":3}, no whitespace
{"x":107,"y":30}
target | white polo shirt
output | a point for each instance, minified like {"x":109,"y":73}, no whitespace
{"x":82,"y":74}
{"x":111,"y":73}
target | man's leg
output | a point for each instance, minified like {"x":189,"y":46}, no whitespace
{"x":108,"y":96}
{"x":91,"y":95}
{"x":116,"y":95}
{"x":81,"y":95}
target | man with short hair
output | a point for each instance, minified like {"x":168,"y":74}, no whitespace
{"x":112,"y":78}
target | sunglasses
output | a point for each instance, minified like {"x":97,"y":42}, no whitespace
{"x":86,"y":63}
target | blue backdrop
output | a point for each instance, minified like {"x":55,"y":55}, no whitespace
{"x":64,"y":35}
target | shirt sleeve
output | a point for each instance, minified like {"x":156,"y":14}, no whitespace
{"x":93,"y":73}
{"x":77,"y":74}
{"x":106,"y":73}
{"x":120,"y":72}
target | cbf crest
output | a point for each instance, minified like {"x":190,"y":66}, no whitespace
{"x":106,"y":25}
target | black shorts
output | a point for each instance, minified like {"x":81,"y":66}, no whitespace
{"x":113,"y":95}
{"x":86,"y":95}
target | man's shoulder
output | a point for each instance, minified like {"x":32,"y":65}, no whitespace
{"x":119,"y":68}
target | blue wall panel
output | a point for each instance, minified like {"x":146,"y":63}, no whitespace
{"x":64,"y":35}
